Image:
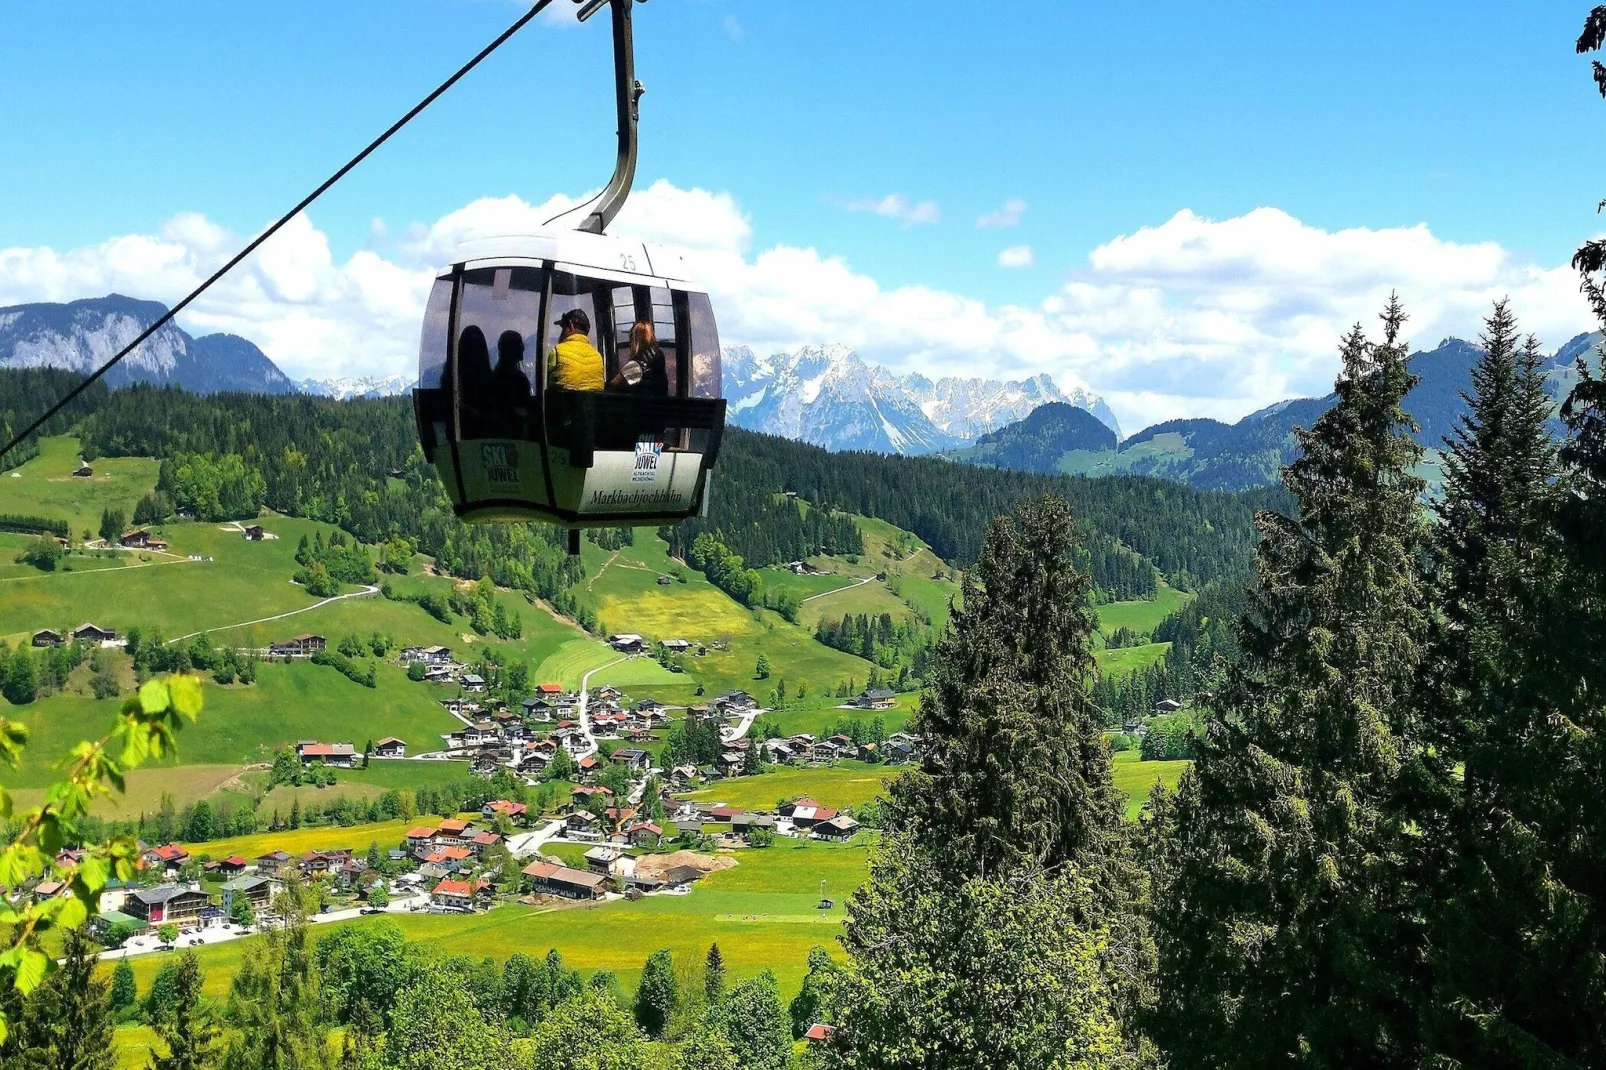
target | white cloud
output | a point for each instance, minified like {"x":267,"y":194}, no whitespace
{"x":1016,"y":256}
{"x":1005,"y":215}
{"x":1192,"y":317}
{"x":734,"y":29}
{"x":896,"y":206}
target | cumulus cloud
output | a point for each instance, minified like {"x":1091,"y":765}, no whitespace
{"x":1005,"y":215}
{"x":1190,"y":317}
{"x":1016,"y":256}
{"x":896,"y":206}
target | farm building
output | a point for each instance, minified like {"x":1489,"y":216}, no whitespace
{"x":340,"y":754}
{"x":550,"y":878}
{"x":46,"y":637}
{"x":92,"y":633}
{"x":627,"y":643}
{"x":391,"y":747}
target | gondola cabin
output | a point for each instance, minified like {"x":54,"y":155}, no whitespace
{"x":520,"y":422}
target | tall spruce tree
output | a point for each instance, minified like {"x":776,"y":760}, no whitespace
{"x":187,"y":1027}
{"x":1283,"y":909}
{"x":1498,"y":899}
{"x":995,"y":928}
{"x":1015,"y":767}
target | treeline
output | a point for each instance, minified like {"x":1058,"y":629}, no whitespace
{"x":1192,"y":537}
{"x":749,"y":514}
{"x":25,"y":394}
{"x":1130,"y":697}
{"x":34,"y":525}
{"x":882,"y":640}
{"x":367,"y":997}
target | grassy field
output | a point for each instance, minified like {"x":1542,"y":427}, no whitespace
{"x":297,"y":841}
{"x":1137,"y":778}
{"x":146,"y":786}
{"x":1141,"y":616}
{"x":45,"y":486}
{"x":762,"y":912}
{"x":815,"y":712}
{"x":843,"y":785}
{"x":381,"y":776}
{"x":1127,"y":659}
{"x":242,"y":725}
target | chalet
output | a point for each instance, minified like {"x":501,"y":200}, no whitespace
{"x":840,"y":828}
{"x":91,"y":633}
{"x":736,"y":700}
{"x":607,"y":860}
{"x":806,"y":812}
{"x":779,"y":751}
{"x":169,"y":857}
{"x":589,"y":764}
{"x":1167,"y":705}
{"x":83,"y":471}
{"x":438,"y":674}
{"x":454,"y":896}
{"x":620,"y":816}
{"x":231,"y":866}
{"x":391,"y":747}
{"x":638,"y":761}
{"x":136,"y":539}
{"x":875,"y":700}
{"x":842,"y":743}
{"x":167,"y":904}
{"x":485,"y":839}
{"x":270,"y":863}
{"x":650,"y":706}
{"x":429,"y":655}
{"x":819,"y":1031}
{"x":675,"y":646}
{"x":743,"y":824}
{"x":680,"y":876}
{"x":869,"y":752}
{"x":725,"y":813}
{"x":253,"y":532}
{"x":645,"y":834}
{"x":550,"y":878}
{"x":301,"y":646}
{"x":609,"y":693}
{"x":47,"y":637}
{"x":513,"y":811}
{"x":683,"y":776}
{"x":420,"y":836}
{"x":903,"y":737}
{"x":538,"y":709}
{"x":582,"y":795}
{"x":549,"y":690}
{"x":899,"y":753}
{"x":731,"y":762}
{"x":581,"y":821}
{"x":256,"y":890}
{"x":337,"y":754}
{"x":473,"y":683}
{"x":452,"y":828}
{"x":627,"y":643}
{"x":47,"y":890}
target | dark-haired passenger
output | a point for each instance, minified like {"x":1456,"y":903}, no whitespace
{"x":575,"y":362}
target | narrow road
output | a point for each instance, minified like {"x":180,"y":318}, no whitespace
{"x":528,"y":843}
{"x":740,"y":730}
{"x":95,"y":571}
{"x":585,"y":698}
{"x":364,"y":593}
{"x":839,"y":590}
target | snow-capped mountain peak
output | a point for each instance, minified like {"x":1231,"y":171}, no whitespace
{"x":830,"y":396}
{"x":360,"y":386}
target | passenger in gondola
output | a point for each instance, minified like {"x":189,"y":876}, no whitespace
{"x":645,"y":371}
{"x":476,"y":385}
{"x":575,"y":362}
{"x":512,"y":385}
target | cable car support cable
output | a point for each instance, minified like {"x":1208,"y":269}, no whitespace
{"x":301,"y":206}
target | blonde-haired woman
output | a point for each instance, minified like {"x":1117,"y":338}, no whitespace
{"x":645,"y":372}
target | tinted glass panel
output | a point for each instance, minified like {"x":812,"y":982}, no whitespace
{"x":498,"y":316}
{"x":704,"y":347}
{"x":432,"y":346}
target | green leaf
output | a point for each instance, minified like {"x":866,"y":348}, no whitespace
{"x":185,"y":692}
{"x":93,"y":872}
{"x":73,"y":913}
{"x":30,"y":965}
{"x":154,"y":697}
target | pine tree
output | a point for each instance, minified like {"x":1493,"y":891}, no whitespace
{"x":1283,"y":912}
{"x":186,"y":1027}
{"x":276,"y":1005}
{"x":995,"y":927}
{"x":1486,"y":712}
{"x":713,"y":975}
{"x":1015,"y":768}
{"x":68,"y":1023}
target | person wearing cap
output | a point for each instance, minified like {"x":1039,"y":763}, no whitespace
{"x":575,"y":362}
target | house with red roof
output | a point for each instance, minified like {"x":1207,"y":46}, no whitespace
{"x":454,"y":896}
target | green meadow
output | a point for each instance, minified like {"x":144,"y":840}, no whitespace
{"x":45,"y":486}
{"x":1123,"y":660}
{"x":1141,"y":616}
{"x":1138,"y":778}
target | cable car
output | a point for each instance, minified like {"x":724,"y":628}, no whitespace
{"x":509,"y":443}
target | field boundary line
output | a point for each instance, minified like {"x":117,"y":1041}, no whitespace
{"x":365,"y":592}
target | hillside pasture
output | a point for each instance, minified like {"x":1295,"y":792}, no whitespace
{"x":1137,"y":778}
{"x":1141,"y":616}
{"x":1123,"y":660}
{"x":45,"y":486}
{"x":145,"y":787}
{"x":842,"y":785}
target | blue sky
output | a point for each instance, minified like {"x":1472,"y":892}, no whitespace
{"x":1474,"y":119}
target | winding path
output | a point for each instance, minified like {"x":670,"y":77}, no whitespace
{"x":839,"y":590}
{"x":364,"y":593}
{"x":585,"y":722}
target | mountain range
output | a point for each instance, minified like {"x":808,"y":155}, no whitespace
{"x":829,"y":396}
{"x":82,"y":335}
{"x":1212,"y":455}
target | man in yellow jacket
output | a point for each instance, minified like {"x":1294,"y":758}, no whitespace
{"x":575,"y":362}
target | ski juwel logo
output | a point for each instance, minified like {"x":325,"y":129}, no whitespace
{"x":501,"y":462}
{"x":647,"y":454}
